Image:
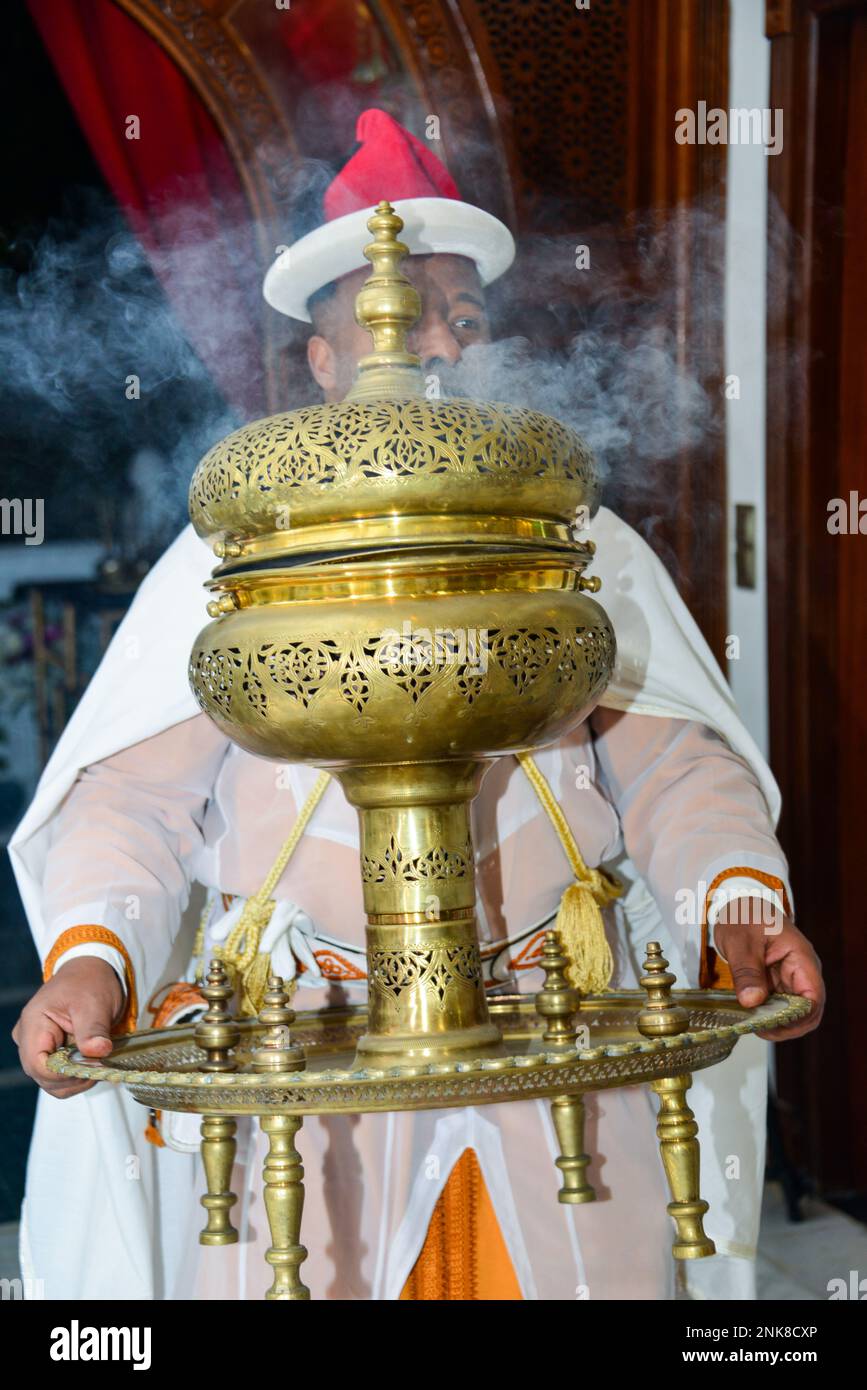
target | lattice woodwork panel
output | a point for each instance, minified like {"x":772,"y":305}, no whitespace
{"x":564,"y":73}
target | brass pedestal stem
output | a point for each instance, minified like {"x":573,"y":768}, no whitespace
{"x":426,"y":993}
{"x":283,"y":1172}
{"x":567,"y":1112}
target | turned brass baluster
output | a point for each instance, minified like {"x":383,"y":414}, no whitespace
{"x":218,"y":1157}
{"x":676,"y":1127}
{"x":284,"y":1202}
{"x":283,"y":1171}
{"x":557,"y":1002}
{"x":217,"y":1033}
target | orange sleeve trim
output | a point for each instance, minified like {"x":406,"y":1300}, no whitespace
{"x":93,"y":935}
{"x":714,"y":973}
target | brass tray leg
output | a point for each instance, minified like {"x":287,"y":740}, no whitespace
{"x":677,"y":1132}
{"x":567,"y":1113}
{"x":557,"y":1003}
{"x":284,"y":1200}
{"x":218,"y":1156}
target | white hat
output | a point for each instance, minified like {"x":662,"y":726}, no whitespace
{"x":388,"y":163}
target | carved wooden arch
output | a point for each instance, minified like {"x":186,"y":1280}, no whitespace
{"x":546,"y":119}
{"x":202,"y":42}
{"x":445,"y":49}
{"x":205,"y":45}
{"x":441,"y":59}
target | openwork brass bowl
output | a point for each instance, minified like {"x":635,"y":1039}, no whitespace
{"x":416,"y":657}
{"x":406,"y":469}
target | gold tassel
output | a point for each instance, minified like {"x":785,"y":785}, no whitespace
{"x":582,"y":933}
{"x":579,"y":919}
{"x":254,"y":985}
{"x":240,"y":953}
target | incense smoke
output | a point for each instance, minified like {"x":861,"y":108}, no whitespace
{"x":105,"y":407}
{"x":596,"y":347}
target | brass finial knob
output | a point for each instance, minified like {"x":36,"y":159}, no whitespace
{"x":226,"y":603}
{"x":387,"y":305}
{"x":276,"y":1051}
{"x":659,"y":1018}
{"x":216,"y":1031}
{"x":227,"y":550}
{"x":556,"y":1001}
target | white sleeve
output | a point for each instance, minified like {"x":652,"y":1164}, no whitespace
{"x":122,"y":849}
{"x":95,"y":948}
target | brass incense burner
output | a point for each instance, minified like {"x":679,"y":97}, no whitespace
{"x":401,"y":598}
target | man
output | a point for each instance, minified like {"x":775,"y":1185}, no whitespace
{"x":144,"y":797}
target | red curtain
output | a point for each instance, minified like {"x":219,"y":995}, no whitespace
{"x":176,"y":182}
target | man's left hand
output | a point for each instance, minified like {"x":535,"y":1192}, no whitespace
{"x":767,"y":954}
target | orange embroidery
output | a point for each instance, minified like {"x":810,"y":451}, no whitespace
{"x":90,"y":935}
{"x":713,"y":972}
{"x":337,"y":967}
{"x":152,"y":1130}
{"x":177,"y":995}
{"x":464,"y":1256}
{"x":530,"y":953}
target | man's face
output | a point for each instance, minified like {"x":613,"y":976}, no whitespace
{"x":453,"y":317}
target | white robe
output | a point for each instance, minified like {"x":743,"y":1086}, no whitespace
{"x":141,"y":1203}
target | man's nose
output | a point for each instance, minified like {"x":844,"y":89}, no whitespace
{"x":434,"y":342}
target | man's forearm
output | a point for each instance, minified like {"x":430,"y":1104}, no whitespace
{"x":119,"y":869}
{"x":694,"y":819}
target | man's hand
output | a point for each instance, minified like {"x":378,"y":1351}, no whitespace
{"x":83,"y":998}
{"x":767,"y":954}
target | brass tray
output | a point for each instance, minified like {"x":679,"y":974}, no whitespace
{"x":163,"y":1067}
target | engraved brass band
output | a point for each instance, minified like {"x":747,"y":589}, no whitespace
{"x":426,"y":995}
{"x":400,"y":919}
{"x":473,"y":571}
{"x":416,"y":859}
{"x":362,"y":534}
{"x":435,"y":677}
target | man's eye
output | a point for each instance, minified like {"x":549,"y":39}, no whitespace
{"x":467,"y":325}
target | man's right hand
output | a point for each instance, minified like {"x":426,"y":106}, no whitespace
{"x":83,"y":998}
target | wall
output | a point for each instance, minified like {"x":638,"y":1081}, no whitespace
{"x":745,"y":317}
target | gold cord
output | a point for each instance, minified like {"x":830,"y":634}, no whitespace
{"x":240,"y":950}
{"x":199,"y":943}
{"x":579,"y":920}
